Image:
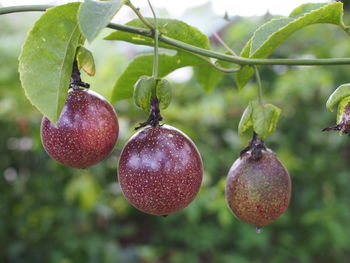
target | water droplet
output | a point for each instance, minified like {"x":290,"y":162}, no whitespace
{"x":258,"y":229}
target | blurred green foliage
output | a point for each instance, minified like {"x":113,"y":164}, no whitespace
{"x":51,"y":213}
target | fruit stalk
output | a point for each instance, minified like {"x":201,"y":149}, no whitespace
{"x":155,"y":117}
{"x":344,"y":124}
{"x":76,"y":81}
{"x":155,"y":33}
{"x":256,"y":146}
{"x":258,"y":80}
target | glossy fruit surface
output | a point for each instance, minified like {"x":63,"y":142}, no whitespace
{"x":86,"y":132}
{"x":258,"y":191}
{"x":160,"y":170}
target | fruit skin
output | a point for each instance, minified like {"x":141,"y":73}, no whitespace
{"x":86,"y":132}
{"x":258,"y":192}
{"x":160,"y":170}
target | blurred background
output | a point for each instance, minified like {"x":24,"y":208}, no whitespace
{"x":51,"y":213}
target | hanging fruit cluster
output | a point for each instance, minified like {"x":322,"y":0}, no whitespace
{"x":160,"y":169}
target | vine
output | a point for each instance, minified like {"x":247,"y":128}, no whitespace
{"x":200,"y":51}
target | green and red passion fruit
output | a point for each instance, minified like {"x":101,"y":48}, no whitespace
{"x":258,"y":191}
{"x":86,"y":132}
{"x":160,"y":170}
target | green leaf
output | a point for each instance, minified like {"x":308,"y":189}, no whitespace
{"x":341,"y":108}
{"x":262,"y":35}
{"x":267,"y":37}
{"x":273,"y":114}
{"x":264,"y":118}
{"x":146,"y":87}
{"x":95,"y":15}
{"x":173,"y":28}
{"x":85,"y":61}
{"x":46,"y":59}
{"x":142,"y":66}
{"x":163,"y":93}
{"x":143,"y":90}
{"x":246,"y":120}
{"x":259,"y":119}
{"x":340,"y":93}
{"x":207,"y":76}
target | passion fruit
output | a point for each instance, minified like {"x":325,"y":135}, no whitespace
{"x":160,"y":170}
{"x":258,"y":187}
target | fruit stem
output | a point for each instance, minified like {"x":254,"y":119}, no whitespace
{"x":344,"y":125}
{"x":155,"y":117}
{"x":258,"y":80}
{"x":76,"y":81}
{"x":256,"y":146}
{"x":155,"y":32}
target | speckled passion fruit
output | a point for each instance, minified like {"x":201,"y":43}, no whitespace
{"x":160,"y":170}
{"x":86,"y":132}
{"x":258,"y":190}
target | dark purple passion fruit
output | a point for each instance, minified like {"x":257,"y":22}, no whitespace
{"x":86,"y":132}
{"x":160,"y":170}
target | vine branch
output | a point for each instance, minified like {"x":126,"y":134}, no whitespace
{"x":139,"y":15}
{"x":196,"y":50}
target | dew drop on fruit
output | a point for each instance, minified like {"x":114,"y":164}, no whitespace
{"x":258,"y":229}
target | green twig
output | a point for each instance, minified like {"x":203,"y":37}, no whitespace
{"x":197,"y":50}
{"x":155,"y":63}
{"x":139,"y":15}
{"x":223,"y":43}
{"x":258,"y":80}
{"x":222,"y":69}
{"x":24,"y":8}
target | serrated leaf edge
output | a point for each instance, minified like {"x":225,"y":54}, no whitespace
{"x":294,"y":20}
